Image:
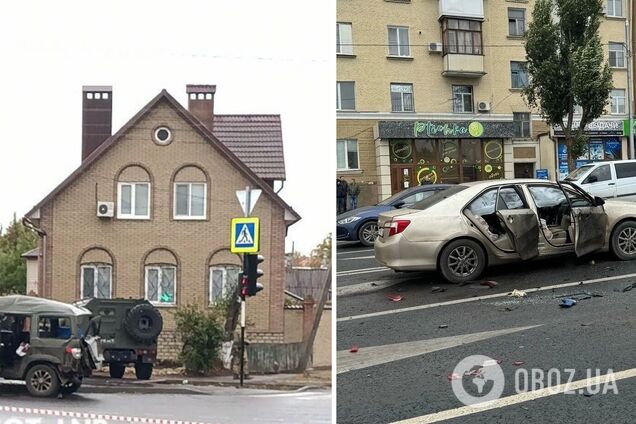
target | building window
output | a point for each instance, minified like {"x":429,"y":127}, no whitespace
{"x":223,"y":281}
{"x":399,"y":41}
{"x":522,"y":124}
{"x":161,"y":284}
{"x":462,"y":36}
{"x":133,"y":200}
{"x":516,"y":22}
{"x":402,"y":98}
{"x":190,"y":200}
{"x":97,"y":281}
{"x":344,"y":39}
{"x":463,"y":99}
{"x":617,"y":102}
{"x":616,"y":55}
{"x":345,"y":95}
{"x":347,"y":154}
{"x":518,"y":74}
{"x":615,"y":8}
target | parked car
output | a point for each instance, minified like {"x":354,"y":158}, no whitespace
{"x":361,"y":224}
{"x":462,"y":230}
{"x":606,"y":179}
{"x":128,"y":329}
{"x":43,"y":343}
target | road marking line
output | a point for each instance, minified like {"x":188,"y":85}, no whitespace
{"x":354,"y":251}
{"x":377,"y":355}
{"x":362,"y":271}
{"x":367,"y":287}
{"x":520,"y":398}
{"x":491,"y":296}
{"x":357,"y":257}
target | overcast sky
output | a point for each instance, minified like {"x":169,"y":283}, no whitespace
{"x":264,"y":57}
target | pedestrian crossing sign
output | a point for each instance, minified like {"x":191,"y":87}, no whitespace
{"x":245,"y":235}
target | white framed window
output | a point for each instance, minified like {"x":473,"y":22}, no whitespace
{"x":463,"y":99}
{"x":344,"y":38}
{"x":133,"y":200}
{"x":402,"y":98}
{"x":161,"y":284}
{"x":615,"y":8}
{"x":522,"y":124}
{"x":223,"y":280}
{"x":190,"y":200}
{"x":516,"y":22}
{"x":96,"y":281}
{"x":399,"y":41}
{"x":347,"y":155}
{"x":345,"y":95}
{"x":617,"y":102}
{"x":616,"y":55}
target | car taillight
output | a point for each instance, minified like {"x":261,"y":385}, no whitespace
{"x":74,"y":351}
{"x":397,"y":226}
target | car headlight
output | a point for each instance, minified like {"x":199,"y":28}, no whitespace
{"x":349,"y":220}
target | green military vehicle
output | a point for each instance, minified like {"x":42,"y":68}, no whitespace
{"x":128,"y":329}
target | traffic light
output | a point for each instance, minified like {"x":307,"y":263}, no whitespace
{"x":253,"y":273}
{"x":243,"y":282}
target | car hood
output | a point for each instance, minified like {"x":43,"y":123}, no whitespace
{"x":365,"y":211}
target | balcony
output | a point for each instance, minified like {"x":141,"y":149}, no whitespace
{"x":463,"y":65}
{"x":471,"y":9}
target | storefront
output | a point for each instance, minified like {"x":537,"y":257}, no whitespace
{"x":445,"y":151}
{"x":605,"y":142}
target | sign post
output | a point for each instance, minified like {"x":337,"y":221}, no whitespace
{"x":247,"y":213}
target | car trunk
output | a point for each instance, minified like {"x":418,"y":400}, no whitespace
{"x":385,"y":218}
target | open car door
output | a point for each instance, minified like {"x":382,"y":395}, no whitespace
{"x":589,"y":220}
{"x":520,"y":221}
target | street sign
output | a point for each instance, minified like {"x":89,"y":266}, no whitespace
{"x":245,"y":235}
{"x":542,"y":174}
{"x":254,"y":194}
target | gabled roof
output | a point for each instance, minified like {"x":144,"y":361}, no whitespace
{"x":291,"y":216}
{"x":256,"y":139}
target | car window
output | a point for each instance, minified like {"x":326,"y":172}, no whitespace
{"x":509,"y":198}
{"x":416,"y":197}
{"x":602,"y":173}
{"x":438,"y":197}
{"x":484,"y":204}
{"x":578,"y":173}
{"x":625,"y":170}
{"x":54,"y":328}
{"x":576,"y":199}
{"x":547,"y":196}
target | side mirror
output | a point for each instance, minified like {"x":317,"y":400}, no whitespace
{"x":399,"y":204}
{"x":598,"y":201}
{"x":591,"y":179}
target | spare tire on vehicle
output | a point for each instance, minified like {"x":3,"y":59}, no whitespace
{"x":143,"y":323}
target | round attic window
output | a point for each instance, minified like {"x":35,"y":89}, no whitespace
{"x":162,"y":135}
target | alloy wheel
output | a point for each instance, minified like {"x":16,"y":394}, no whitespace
{"x":627,"y":241}
{"x":370,"y":233}
{"x":463,"y":261}
{"x":41,"y":380}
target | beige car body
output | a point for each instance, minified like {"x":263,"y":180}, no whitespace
{"x":418,"y":247}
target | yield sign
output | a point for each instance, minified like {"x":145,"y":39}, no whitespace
{"x":241,"y":196}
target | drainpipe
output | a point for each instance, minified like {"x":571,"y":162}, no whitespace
{"x":630,"y":81}
{"x":282,"y":185}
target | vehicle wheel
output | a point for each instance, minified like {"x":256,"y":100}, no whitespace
{"x":368,"y":233}
{"x":624,"y":241}
{"x":70,"y":388}
{"x":143,"y":323}
{"x":462,"y":260}
{"x":116,"y":370}
{"x":143,"y":371}
{"x":42,"y":381}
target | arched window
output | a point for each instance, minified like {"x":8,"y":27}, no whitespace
{"x":133,"y":193}
{"x":190,"y":194}
{"x":160,"y":277}
{"x":224,"y":268}
{"x":96,"y":274}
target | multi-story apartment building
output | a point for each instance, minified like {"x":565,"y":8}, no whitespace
{"x":434,"y":87}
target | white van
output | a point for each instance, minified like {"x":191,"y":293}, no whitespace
{"x":606,"y":179}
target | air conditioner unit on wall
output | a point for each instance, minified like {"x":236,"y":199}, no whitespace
{"x":105,"y":209}
{"x":483,"y":106}
{"x":434,"y":47}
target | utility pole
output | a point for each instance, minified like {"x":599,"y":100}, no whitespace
{"x":630,"y":80}
{"x":247,"y":214}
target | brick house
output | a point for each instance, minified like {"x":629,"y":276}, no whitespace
{"x":168,"y":178}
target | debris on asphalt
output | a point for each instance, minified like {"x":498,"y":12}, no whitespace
{"x":517,"y":293}
{"x":453,"y":376}
{"x":374,"y":284}
{"x":438,"y":290}
{"x":584,"y":295}
{"x":395,"y":297}
{"x":588,"y":394}
{"x":592,"y":262}
{"x":568,"y":302}
{"x":586,"y":324}
{"x":518,"y":363}
{"x":628,"y":288}
{"x":353,"y":349}
{"x":490,"y":284}
{"x":443,"y":326}
{"x":511,"y":308}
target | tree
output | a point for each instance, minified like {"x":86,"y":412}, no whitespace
{"x":566,"y":67}
{"x":16,"y":240}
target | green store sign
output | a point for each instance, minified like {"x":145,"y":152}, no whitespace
{"x":446,"y":129}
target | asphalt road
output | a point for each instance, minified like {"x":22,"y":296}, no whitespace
{"x":408,"y":349}
{"x":200,"y":405}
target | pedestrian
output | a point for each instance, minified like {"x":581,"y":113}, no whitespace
{"x":341,"y":195}
{"x":354,"y":191}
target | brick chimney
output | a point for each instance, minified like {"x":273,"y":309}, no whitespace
{"x":201,"y":102}
{"x":97,"y":117}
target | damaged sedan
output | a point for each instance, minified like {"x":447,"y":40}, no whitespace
{"x":462,"y":230}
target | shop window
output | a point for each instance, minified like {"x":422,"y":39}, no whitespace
{"x":344,"y":38}
{"x":399,"y":41}
{"x":345,"y":95}
{"x":463,"y":99}
{"x":518,"y":74}
{"x":522,"y":124}
{"x":615,"y":8}
{"x":516,"y":22}
{"x":616,"y":55}
{"x":347,"y":154}
{"x":402,"y":98}
{"x":617,"y":102}
{"x":461,"y":36}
